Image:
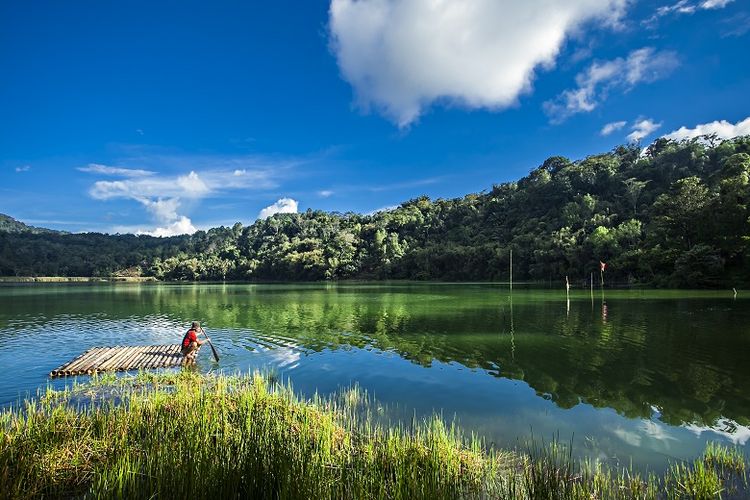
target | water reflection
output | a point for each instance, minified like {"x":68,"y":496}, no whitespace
{"x":659,"y":359}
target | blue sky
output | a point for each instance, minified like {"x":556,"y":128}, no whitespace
{"x":164,"y":117}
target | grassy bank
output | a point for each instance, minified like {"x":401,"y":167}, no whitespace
{"x":187,"y":435}
{"x":74,"y":279}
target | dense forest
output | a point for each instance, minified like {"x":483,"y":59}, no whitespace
{"x":674,"y":214}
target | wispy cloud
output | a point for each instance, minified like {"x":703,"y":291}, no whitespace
{"x":736,"y":25}
{"x":612,"y":127}
{"x":405,"y":185}
{"x":163,"y":196}
{"x":95,"y":168}
{"x":24,"y":168}
{"x":282,"y":206}
{"x":644,"y":65}
{"x":643,"y":128}
{"x":722,"y":129}
{"x":325,"y":193}
{"x":684,"y":7}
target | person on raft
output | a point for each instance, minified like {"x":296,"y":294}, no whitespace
{"x":191,"y":345}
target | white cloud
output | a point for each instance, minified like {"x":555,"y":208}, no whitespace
{"x":612,"y":127}
{"x":24,"y":168}
{"x":182,"y":225}
{"x":715,"y":4}
{"x":163,"y":210}
{"x":402,"y":55}
{"x":282,"y":206}
{"x":325,"y":193}
{"x":687,"y":7}
{"x":723,"y":130}
{"x":95,"y":168}
{"x":644,"y":65}
{"x":192,"y":185}
{"x":643,"y":128}
{"x":736,"y":433}
{"x":382,"y":209}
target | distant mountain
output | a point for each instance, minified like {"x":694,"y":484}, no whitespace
{"x":10,"y":225}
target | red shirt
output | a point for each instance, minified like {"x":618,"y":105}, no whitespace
{"x":190,"y":336}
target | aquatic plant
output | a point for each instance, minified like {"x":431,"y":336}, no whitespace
{"x":174,"y":435}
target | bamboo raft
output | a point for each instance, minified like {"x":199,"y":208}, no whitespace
{"x":121,"y":358}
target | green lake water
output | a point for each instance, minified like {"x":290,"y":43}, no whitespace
{"x":641,"y":376}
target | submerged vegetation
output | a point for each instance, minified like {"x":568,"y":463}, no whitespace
{"x":676,"y":214}
{"x":188,"y":435}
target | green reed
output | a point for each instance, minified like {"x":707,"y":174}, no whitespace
{"x":179,"y":435}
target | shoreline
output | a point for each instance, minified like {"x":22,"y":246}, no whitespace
{"x":78,"y":279}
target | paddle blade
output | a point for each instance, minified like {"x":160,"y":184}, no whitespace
{"x":213,"y":350}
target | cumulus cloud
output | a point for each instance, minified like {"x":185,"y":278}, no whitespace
{"x":24,"y":168}
{"x":643,"y":65}
{"x":612,"y":127}
{"x":182,"y":225}
{"x":643,"y":128}
{"x":722,"y":129}
{"x":402,"y":55}
{"x":95,"y":168}
{"x":282,"y":206}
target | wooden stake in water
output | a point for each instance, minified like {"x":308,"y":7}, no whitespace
{"x":511,"y":269}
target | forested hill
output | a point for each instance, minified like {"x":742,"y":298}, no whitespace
{"x":10,"y":225}
{"x":674,"y":215}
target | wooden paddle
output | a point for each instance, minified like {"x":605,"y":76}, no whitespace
{"x":213,"y":349}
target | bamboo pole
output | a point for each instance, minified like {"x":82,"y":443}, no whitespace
{"x":83,"y":367}
{"x":134,"y":361}
{"x":174,"y":355}
{"x":68,"y":370}
{"x":147,"y":358}
{"x":159,"y":353}
{"x":153,"y":356}
{"x":162,"y":360}
{"x":104,"y":357}
{"x":61,"y":369}
{"x":169,"y":356}
{"x":126,"y":362}
{"x":177,"y":360}
{"x":102,"y":365}
{"x":113,"y":362}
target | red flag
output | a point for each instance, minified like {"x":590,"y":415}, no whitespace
{"x":602,"y":266}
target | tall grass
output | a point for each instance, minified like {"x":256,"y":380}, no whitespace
{"x":187,"y":435}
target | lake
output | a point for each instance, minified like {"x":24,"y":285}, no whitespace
{"x":641,"y":376}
